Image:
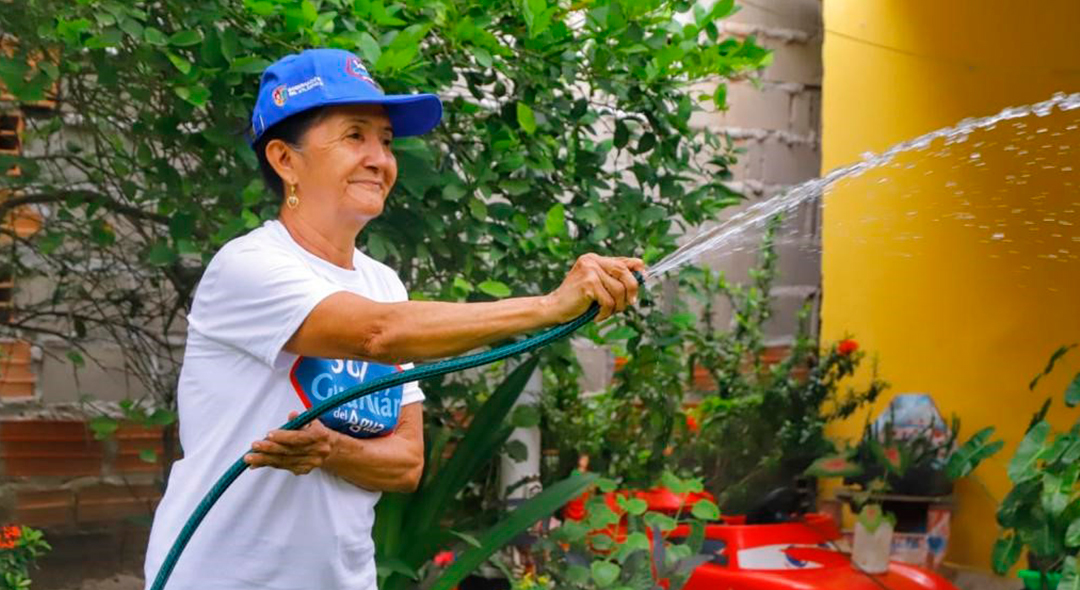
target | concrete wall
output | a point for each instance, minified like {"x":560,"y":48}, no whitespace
{"x":776,"y":119}
{"x":958,"y":266}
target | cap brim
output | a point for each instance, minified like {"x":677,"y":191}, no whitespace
{"x":410,"y":114}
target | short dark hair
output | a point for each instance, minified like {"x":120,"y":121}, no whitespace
{"x":290,"y":130}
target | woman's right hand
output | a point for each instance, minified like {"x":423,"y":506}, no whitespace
{"x":607,"y":281}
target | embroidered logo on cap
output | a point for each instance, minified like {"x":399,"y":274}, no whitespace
{"x":356,"y":68}
{"x":279,"y":95}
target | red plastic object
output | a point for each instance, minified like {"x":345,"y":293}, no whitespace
{"x":798,"y":555}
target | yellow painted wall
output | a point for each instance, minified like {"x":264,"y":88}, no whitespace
{"x":958,"y":266}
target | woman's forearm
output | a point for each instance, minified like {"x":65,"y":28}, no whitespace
{"x":345,"y":325}
{"x":384,"y":464}
{"x":419,"y":330}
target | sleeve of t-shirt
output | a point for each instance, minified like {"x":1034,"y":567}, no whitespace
{"x":411,"y":392}
{"x":254,"y":299}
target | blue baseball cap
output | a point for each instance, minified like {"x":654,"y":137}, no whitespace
{"x":322,"y":77}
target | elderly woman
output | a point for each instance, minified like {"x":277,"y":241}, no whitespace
{"x":292,"y":313}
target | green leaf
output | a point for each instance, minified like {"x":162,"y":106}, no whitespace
{"x":525,"y":117}
{"x":1022,"y":466}
{"x":494,"y":288}
{"x":969,"y":455}
{"x":536,"y":508}
{"x":1072,"y":534}
{"x":155,"y":37}
{"x":834,"y":466}
{"x":162,"y":417}
{"x":705,"y":510}
{"x":369,"y":48}
{"x":622,"y":134}
{"x":483,"y":56}
{"x":197,"y":95}
{"x":185,"y":38}
{"x":555,"y":220}
{"x":248,"y":65}
{"x":148,"y":456}
{"x":1054,"y":358}
{"x":635,"y":506}
{"x":1072,"y":393}
{"x":517,"y":451}
{"x":601,"y":542}
{"x":471,"y":540}
{"x":719,"y":96}
{"x":477,"y":209}
{"x":662,"y":521}
{"x":605,"y":573}
{"x":103,"y":426}
{"x":525,"y":416}
{"x":577,"y":574}
{"x":161,"y":254}
{"x":76,"y":358}
{"x":179,"y":62}
{"x":1070,"y":577}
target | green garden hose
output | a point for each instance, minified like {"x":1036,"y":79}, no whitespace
{"x":415,"y":374}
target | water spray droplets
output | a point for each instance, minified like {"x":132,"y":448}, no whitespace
{"x":729,"y":233}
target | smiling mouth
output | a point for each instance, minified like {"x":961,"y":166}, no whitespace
{"x":373,"y":184}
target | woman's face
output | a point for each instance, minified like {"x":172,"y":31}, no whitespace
{"x":345,"y":162}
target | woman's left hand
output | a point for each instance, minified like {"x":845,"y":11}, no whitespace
{"x":298,"y":451}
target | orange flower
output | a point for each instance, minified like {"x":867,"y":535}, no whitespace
{"x":847,"y":347}
{"x":691,"y":424}
{"x":8,"y":535}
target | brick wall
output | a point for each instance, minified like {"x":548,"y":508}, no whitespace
{"x":53,"y":473}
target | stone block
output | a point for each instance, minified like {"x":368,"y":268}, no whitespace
{"x":757,"y":108}
{"x":787,"y":164}
{"x":806,"y":112}
{"x":785,"y":320}
{"x":749,"y":164}
{"x":794,"y":61}
{"x":802,"y":15}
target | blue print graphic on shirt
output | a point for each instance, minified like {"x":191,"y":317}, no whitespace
{"x":317,"y":379}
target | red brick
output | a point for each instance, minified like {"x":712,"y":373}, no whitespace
{"x":40,"y":508}
{"x":109,"y":503}
{"x":59,"y":448}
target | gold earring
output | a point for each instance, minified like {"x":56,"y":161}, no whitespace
{"x":293,"y":201}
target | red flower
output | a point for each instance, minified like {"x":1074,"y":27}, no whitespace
{"x":444,"y":558}
{"x":847,"y":347}
{"x":575,"y":509}
{"x":691,"y":424}
{"x":8,"y":536}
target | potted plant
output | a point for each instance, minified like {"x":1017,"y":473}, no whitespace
{"x":921,"y":458}
{"x":1041,"y":513}
{"x":872,"y":544}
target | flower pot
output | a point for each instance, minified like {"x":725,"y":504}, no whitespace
{"x":1032,"y":580}
{"x":872,"y":546}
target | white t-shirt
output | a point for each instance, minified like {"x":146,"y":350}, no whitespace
{"x":271,"y":530}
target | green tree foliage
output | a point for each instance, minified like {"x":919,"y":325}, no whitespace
{"x":567,"y":130}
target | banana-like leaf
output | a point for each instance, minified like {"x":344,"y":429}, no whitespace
{"x":539,"y":507}
{"x":966,"y":458}
{"x":1054,"y":358}
{"x":486,"y":435}
{"x":389,"y":516}
{"x":1022,"y":466}
{"x":1070,"y":576}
